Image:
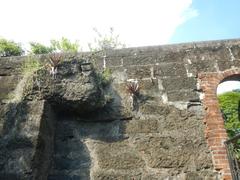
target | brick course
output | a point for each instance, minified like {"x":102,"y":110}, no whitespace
{"x":215,"y":132}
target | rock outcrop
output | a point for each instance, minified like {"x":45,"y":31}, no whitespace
{"x":28,"y":123}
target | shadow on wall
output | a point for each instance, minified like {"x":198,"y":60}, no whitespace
{"x":42,"y":137}
{"x":75,"y":135}
{"x":62,"y":144}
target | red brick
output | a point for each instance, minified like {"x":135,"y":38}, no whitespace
{"x":215,"y":132}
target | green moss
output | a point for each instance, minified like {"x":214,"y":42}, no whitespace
{"x":30,"y":65}
{"x":105,"y":78}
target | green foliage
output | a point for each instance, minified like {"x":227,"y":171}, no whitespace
{"x":37,"y":48}
{"x":65,"y":45}
{"x":105,"y":78}
{"x":31,"y":65}
{"x":10,"y":48}
{"x":106,"y":41}
{"x":229,"y":104}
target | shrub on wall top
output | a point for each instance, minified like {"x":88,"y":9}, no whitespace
{"x":65,"y":45}
{"x":38,"y":48}
{"x":10,"y":48}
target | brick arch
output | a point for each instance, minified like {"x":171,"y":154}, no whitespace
{"x":215,"y":131}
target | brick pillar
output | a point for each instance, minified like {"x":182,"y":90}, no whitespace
{"x":215,"y":131}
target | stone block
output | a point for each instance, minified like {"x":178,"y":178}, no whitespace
{"x":235,"y":49}
{"x":139,"y":60}
{"x":170,"y":69}
{"x":236,"y":63}
{"x":197,"y":66}
{"x":208,"y":54}
{"x":171,"y":151}
{"x":11,"y":65}
{"x":140,"y":126}
{"x":167,"y":56}
{"x":224,"y":65}
{"x":138,"y":72}
{"x":114,"y":61}
{"x":179,"y":83}
{"x":153,"y":109}
{"x":118,"y":155}
{"x":149,"y":87}
{"x":184,"y":95}
{"x":117,"y":175}
{"x":8,"y":84}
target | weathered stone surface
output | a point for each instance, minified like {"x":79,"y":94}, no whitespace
{"x":170,"y":69}
{"x":74,"y":89}
{"x":155,"y":109}
{"x":139,"y":72}
{"x":25,"y":152}
{"x":72,"y":127}
{"x":139,"y":60}
{"x":179,"y":83}
{"x":118,"y":155}
{"x":141,"y":126}
{"x":235,"y":51}
{"x":11,"y":65}
{"x":209,"y":53}
{"x":8,"y":84}
{"x":112,"y":175}
{"x":170,"y":55}
{"x":184,"y":95}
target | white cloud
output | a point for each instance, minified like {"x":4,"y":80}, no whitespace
{"x":228,"y":86}
{"x":139,"y":22}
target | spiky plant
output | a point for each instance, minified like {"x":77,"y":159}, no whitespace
{"x":133,"y":87}
{"x":55,"y":59}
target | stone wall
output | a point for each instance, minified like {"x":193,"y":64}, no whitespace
{"x":175,"y":130}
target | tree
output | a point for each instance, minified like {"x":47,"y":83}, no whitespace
{"x":229,"y":103}
{"x":37,"y":48}
{"x":65,"y":45}
{"x":10,"y":48}
{"x":106,"y":42}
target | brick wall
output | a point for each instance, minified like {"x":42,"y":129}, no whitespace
{"x":215,"y":132}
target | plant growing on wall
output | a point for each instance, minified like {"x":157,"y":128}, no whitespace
{"x":30,"y":65}
{"x":104,"y":42}
{"x":65,"y":45}
{"x":10,"y":48}
{"x":104,"y":78}
{"x":54,"y":60}
{"x":133,"y":88}
{"x":38,"y":48}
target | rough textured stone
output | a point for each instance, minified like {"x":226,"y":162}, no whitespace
{"x":185,"y":95}
{"x":76,"y":88}
{"x":27,"y":152}
{"x":170,"y":69}
{"x":179,"y":83}
{"x":74,"y":127}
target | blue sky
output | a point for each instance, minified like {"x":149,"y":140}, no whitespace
{"x":216,"y":19}
{"x":138,"y":22}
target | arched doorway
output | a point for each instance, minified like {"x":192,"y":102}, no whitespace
{"x":228,"y":92}
{"x":215,"y":131}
